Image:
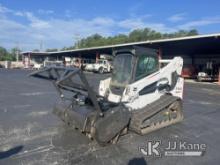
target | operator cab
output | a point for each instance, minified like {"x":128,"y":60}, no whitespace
{"x":131,"y":65}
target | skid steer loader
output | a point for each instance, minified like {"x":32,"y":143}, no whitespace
{"x":140,"y":96}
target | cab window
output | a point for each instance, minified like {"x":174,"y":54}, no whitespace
{"x":145,"y":66}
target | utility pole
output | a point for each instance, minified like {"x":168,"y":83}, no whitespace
{"x":17,"y":51}
{"x":77,"y":38}
{"x":41,"y":45}
{"x":17,"y":55}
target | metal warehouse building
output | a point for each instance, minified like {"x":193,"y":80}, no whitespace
{"x":196,"y":51}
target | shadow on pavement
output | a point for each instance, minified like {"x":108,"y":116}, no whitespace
{"x":137,"y":161}
{"x":10,"y":152}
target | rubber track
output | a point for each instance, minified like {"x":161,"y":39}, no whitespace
{"x":138,"y":116}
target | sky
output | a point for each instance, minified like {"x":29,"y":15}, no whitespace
{"x":42,"y":24}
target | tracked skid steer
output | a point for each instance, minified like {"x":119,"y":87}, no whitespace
{"x":143,"y":94}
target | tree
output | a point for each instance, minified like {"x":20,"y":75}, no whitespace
{"x":134,"y":36}
{"x":5,"y":55}
{"x":52,"y":50}
{"x":3,"y":52}
{"x":121,"y":38}
{"x":193,"y":32}
{"x":14,"y":52}
{"x":36,"y":50}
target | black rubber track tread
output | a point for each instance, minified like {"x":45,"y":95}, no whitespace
{"x":138,"y":116}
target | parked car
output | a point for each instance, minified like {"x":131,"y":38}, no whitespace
{"x":37,"y":66}
{"x":53,"y":63}
{"x":102,"y":66}
{"x":209,"y":72}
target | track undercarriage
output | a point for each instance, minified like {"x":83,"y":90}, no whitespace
{"x":103,"y":117}
{"x":143,"y":121}
{"x":164,"y":112}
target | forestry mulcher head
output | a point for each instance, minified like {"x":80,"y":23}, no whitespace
{"x":82,"y":108}
{"x":142,"y":95}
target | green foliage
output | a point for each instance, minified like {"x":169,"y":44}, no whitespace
{"x":3,"y":52}
{"x":36,"y":50}
{"x":6,"y":56}
{"x":14,"y":52}
{"x":68,"y":48}
{"x":134,"y":36}
{"x":98,"y":40}
{"x":52,"y":50}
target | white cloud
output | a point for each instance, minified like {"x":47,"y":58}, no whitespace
{"x":42,"y":11}
{"x":103,"y":21}
{"x":177,"y":17}
{"x":4,"y":9}
{"x":53,"y":32}
{"x":70,"y":13}
{"x":13,"y":32}
{"x":135,"y":7}
{"x":199,"y":23}
{"x":36,"y":22}
{"x":140,"y":23}
{"x":131,"y":23}
{"x":60,"y":32}
{"x":18,"y":13}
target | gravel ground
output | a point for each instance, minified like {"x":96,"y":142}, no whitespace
{"x":31,"y":134}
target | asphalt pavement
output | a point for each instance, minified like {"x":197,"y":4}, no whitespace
{"x":30,"y":134}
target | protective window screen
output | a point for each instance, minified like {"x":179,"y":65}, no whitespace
{"x":145,"y":66}
{"x":122,"y":69}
